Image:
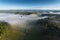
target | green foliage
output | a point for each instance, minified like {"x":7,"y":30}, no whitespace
{"x":4,"y":29}
{"x":30,"y":34}
{"x":23,"y":13}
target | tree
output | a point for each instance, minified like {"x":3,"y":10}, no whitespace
{"x":4,"y":30}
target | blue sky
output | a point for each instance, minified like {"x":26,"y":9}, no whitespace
{"x":29,"y":4}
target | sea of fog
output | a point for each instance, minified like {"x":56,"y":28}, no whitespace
{"x":18,"y":19}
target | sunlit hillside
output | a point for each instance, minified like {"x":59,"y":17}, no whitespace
{"x":18,"y":26}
